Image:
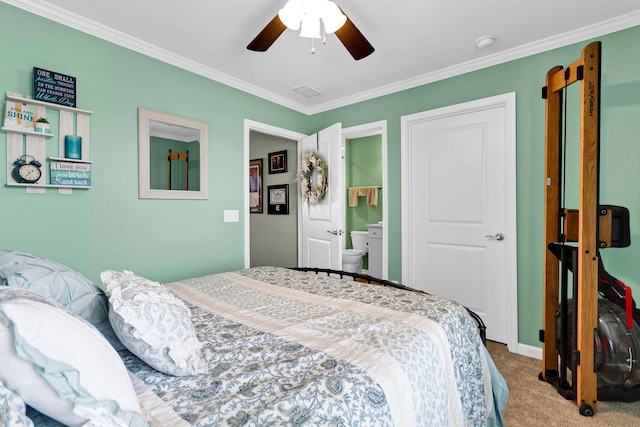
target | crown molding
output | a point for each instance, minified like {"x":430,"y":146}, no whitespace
{"x":79,"y":23}
{"x":605,"y":27}
{"x":103,"y":32}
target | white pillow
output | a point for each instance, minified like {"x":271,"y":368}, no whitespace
{"x":61,"y":365}
{"x":153,"y":324}
{"x":68,"y":288}
{"x":12,"y":408}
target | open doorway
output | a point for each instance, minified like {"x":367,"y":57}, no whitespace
{"x":367,"y":146}
{"x":265,"y":231}
{"x":274,"y":226}
{"x":363,"y":179}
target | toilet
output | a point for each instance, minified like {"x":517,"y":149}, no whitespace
{"x":352,"y":258}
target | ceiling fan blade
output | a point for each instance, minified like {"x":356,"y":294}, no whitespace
{"x":267,"y":36}
{"x":357,"y":45}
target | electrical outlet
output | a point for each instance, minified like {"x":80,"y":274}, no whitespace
{"x":231,"y":216}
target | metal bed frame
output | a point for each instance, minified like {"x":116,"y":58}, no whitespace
{"x":365,"y":278}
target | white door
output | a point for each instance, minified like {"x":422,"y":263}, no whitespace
{"x":321,"y":225}
{"x":459,"y":207}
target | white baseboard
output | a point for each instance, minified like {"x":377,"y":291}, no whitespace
{"x":527,"y":350}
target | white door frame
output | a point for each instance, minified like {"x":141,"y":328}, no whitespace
{"x":509,"y":102}
{"x":362,"y":131}
{"x":250,"y":125}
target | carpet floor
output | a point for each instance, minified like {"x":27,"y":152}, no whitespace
{"x":536,"y":403}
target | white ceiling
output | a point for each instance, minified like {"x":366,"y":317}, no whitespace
{"x":416,"y":41}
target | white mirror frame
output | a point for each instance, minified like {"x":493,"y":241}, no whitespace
{"x":144,"y":186}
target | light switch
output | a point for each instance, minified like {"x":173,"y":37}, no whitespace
{"x":231,"y":216}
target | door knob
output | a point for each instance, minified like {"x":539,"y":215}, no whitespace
{"x":497,"y":236}
{"x":335,"y":232}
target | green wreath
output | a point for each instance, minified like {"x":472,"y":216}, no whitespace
{"x":313,"y":163}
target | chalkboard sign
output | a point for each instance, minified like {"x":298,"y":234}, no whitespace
{"x":49,"y":86}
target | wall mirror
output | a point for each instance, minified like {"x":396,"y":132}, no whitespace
{"x":172,"y":155}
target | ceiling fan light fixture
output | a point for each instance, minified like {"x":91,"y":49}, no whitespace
{"x":310,"y":27}
{"x":291,"y":14}
{"x":305,"y":15}
{"x":332,"y":17}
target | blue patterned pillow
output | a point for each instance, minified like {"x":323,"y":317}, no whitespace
{"x":12,"y":408}
{"x":63,"y":285}
{"x":153,"y":324}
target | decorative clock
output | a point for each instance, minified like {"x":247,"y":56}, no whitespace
{"x":26,"y":171}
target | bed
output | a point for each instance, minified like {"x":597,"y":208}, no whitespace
{"x":276,"y":346}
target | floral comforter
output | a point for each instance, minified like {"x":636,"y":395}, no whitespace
{"x":291,"y":348}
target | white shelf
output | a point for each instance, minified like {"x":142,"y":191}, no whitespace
{"x":65,"y":159}
{"x":72,"y":121}
{"x":18,"y":184}
{"x":19,"y":98}
{"x":27,"y":132}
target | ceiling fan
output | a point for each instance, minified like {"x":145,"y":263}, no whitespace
{"x":306,"y":16}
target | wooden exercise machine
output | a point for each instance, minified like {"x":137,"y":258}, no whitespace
{"x":570,"y":325}
{"x":586,"y":71}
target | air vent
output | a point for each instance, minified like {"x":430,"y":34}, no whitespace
{"x":306,"y":91}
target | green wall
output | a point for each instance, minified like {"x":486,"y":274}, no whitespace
{"x":109,"y":227}
{"x":363,"y":162}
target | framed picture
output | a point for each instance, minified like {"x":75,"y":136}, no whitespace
{"x":255,"y":186}
{"x":278,"y":162}
{"x":278,"y":199}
